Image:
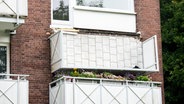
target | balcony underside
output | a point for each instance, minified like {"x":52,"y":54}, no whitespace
{"x":9,"y":24}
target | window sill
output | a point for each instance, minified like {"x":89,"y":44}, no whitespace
{"x":60,"y":26}
{"x":104,"y":10}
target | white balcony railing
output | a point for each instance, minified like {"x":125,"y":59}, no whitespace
{"x":73,"y":90}
{"x":12,"y":13}
{"x":13,"y":89}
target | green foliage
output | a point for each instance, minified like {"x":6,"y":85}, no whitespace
{"x":74,"y":74}
{"x":172,"y":16}
{"x":88,"y":75}
{"x":143,"y":78}
{"x":107,"y":73}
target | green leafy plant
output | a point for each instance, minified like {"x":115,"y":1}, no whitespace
{"x":75,"y":73}
{"x":143,"y":78}
{"x":88,"y":74}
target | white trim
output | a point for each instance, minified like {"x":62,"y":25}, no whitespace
{"x":115,"y":69}
{"x":103,"y":79}
{"x":156,"y":52}
{"x":14,"y":20}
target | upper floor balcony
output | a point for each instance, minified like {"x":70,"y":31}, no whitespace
{"x":12,"y":13}
{"x":112,"y":15}
{"x":100,"y":51}
{"x":14,"y":89}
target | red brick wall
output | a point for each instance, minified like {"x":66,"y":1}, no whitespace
{"x":30,"y":52}
{"x":148,"y":23}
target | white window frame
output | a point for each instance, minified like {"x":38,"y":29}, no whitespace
{"x":73,"y":7}
{"x":7,"y":56}
{"x":62,"y":23}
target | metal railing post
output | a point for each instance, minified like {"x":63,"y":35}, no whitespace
{"x":100,"y":91}
{"x":152,"y":93}
{"x":18,"y":94}
{"x":73,"y":90}
{"x":126,"y":92}
{"x":65,"y":93}
{"x":17,"y":11}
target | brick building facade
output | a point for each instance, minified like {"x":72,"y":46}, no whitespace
{"x":30,"y":47}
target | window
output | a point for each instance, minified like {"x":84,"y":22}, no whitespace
{"x":94,"y":14}
{"x":4,"y":58}
{"x":61,"y":10}
{"x":110,"y":4}
{"x":61,"y":13}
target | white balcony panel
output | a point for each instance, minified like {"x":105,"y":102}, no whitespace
{"x":150,"y":53}
{"x":70,"y":90}
{"x":13,"y":91}
{"x":103,"y":19}
{"x":14,"y":7}
{"x":12,"y":13}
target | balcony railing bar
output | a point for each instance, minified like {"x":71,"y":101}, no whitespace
{"x":18,"y":76}
{"x":151,"y":83}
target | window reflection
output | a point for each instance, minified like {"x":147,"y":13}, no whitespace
{"x":61,"y":10}
{"x":111,"y":4}
{"x":3,"y":59}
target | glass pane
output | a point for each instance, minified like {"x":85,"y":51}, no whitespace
{"x":90,"y":3}
{"x":116,"y":4}
{"x":112,"y":4}
{"x":61,"y":10}
{"x":3,"y":59}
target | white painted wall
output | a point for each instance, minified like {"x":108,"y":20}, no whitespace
{"x":104,"y":20}
{"x":4,"y":37}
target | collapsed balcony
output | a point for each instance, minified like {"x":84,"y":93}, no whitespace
{"x":103,"y":52}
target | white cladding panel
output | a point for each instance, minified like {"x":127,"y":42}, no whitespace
{"x":12,"y":90}
{"x":90,"y":19}
{"x":99,"y":51}
{"x":9,"y":7}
